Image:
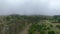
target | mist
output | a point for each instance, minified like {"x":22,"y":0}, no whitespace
{"x":30,"y":7}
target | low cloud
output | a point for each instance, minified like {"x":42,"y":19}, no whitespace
{"x":29,"y":7}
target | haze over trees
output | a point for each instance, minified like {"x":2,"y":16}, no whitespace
{"x":33,"y":24}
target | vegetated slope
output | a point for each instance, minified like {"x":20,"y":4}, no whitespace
{"x":25,"y":30}
{"x":45,"y":27}
{"x":20,"y":24}
{"x":14,"y":24}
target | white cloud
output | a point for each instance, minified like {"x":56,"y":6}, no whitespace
{"x":46,"y":7}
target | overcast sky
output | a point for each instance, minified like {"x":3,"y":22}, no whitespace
{"x":30,"y":7}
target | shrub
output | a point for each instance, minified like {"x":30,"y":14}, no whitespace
{"x":43,"y":32}
{"x":8,"y":18}
{"x":48,"y":28}
{"x":51,"y":32}
{"x":58,"y":26}
{"x":51,"y":25}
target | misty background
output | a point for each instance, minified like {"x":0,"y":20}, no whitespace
{"x":30,"y":7}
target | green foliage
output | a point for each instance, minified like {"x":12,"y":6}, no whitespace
{"x":58,"y":26}
{"x":15,"y":24}
{"x":59,"y":20}
{"x":8,"y":18}
{"x":42,"y":32}
{"x":51,"y":32}
{"x":51,"y":25}
{"x":42,"y":27}
{"x":48,"y":28}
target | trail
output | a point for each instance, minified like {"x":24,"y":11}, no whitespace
{"x":25,"y":30}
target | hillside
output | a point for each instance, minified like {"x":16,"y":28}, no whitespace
{"x":23,"y":24}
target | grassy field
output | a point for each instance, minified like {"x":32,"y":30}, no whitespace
{"x":35,"y":24}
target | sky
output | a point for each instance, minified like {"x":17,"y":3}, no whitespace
{"x":30,"y":7}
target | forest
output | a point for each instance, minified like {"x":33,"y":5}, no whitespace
{"x":33,"y":24}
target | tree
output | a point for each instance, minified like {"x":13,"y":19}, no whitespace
{"x":51,"y":32}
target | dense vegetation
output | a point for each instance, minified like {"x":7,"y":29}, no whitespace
{"x":42,"y":28}
{"x":14,"y":24}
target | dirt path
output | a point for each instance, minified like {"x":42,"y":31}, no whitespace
{"x":25,"y":31}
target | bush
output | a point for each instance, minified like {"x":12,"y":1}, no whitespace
{"x":43,"y":32}
{"x":39,"y":28}
{"x":58,"y":26}
{"x":51,"y":32}
{"x":8,"y":18}
{"x":48,"y":28}
{"x":51,"y":25}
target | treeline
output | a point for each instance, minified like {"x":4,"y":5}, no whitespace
{"x":13,"y":24}
{"x":57,"y":18}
